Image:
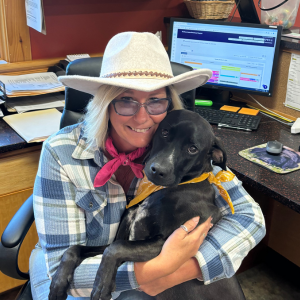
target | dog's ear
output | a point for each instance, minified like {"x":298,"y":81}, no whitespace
{"x":218,"y":154}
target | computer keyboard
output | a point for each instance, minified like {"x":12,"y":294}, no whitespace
{"x":229,"y":119}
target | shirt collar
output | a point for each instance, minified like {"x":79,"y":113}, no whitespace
{"x":82,"y":151}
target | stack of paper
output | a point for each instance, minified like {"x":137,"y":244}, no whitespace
{"x":23,"y":104}
{"x":72,"y":57}
{"x":35,"y":126}
{"x":31,"y":84}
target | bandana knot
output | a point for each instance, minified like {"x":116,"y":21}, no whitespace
{"x":119,"y":159}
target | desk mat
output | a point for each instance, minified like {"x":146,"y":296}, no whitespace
{"x":287,"y":161}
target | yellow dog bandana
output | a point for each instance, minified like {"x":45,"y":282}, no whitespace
{"x":146,"y":187}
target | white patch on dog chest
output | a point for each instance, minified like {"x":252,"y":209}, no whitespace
{"x":140,"y":213}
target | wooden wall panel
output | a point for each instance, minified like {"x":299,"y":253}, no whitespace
{"x":15,"y":38}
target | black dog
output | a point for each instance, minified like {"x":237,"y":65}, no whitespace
{"x":183,"y":147}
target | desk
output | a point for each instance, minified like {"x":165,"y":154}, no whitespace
{"x":18,"y":165}
{"x":283,"y":188}
{"x":277,"y":194}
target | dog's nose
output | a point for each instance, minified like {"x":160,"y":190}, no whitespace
{"x":158,"y":170}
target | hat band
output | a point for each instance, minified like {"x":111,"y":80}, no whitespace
{"x":129,"y":74}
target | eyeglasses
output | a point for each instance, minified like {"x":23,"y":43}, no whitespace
{"x":128,"y":107}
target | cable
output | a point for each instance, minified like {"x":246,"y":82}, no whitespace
{"x":274,"y":113}
{"x":268,"y":113}
{"x":285,"y":123}
{"x":234,"y":10}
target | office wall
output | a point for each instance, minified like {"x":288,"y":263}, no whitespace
{"x":85,"y":26}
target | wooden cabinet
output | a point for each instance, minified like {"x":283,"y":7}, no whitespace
{"x":282,"y":225}
{"x":17,"y":173}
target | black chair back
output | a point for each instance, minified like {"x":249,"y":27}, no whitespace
{"x":76,"y":101}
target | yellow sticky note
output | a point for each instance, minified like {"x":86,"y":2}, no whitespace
{"x":249,"y":111}
{"x":230,"y":108}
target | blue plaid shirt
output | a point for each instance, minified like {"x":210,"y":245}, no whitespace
{"x":69,"y":211}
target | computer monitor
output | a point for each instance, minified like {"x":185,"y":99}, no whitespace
{"x":243,"y":57}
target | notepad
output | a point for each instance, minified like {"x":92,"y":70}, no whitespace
{"x":249,"y":111}
{"x":230,"y":108}
{"x":35,"y":126}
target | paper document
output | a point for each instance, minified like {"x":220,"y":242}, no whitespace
{"x":35,"y":126}
{"x":292,"y":99}
{"x":31,"y":84}
{"x":292,"y":35}
{"x":72,"y":57}
{"x":35,"y":15}
{"x":23,"y":104}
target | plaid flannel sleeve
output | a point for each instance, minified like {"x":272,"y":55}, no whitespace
{"x":61,"y":223}
{"x":230,"y":239}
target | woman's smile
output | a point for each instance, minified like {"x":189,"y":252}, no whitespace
{"x":140,"y":130}
{"x":132,"y":132}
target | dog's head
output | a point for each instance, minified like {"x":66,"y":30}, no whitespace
{"x":183,"y":147}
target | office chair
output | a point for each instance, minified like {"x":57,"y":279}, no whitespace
{"x":75,"y":104}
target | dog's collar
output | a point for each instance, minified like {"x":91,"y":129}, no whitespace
{"x":146,"y":187}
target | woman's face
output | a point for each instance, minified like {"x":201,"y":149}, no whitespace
{"x":131,"y":132}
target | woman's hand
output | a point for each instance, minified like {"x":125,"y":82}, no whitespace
{"x":188,"y":271}
{"x":182,"y":245}
{"x":178,"y":248}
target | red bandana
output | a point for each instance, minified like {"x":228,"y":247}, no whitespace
{"x":119,"y":159}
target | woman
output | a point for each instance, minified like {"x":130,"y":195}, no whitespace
{"x":85,"y":179}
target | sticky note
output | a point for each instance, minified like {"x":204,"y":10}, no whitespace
{"x":230,"y":108}
{"x":249,"y":111}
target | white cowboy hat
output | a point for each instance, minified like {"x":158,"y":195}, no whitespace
{"x":137,"y":61}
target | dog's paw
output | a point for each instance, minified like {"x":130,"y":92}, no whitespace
{"x":103,"y":287}
{"x":104,"y":283}
{"x":101,"y":293}
{"x":58,"y":289}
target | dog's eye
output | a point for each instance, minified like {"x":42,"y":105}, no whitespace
{"x":192,"y":150}
{"x":165,"y":133}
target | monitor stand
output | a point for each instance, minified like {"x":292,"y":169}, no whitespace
{"x":247,"y":11}
{"x":218,"y":97}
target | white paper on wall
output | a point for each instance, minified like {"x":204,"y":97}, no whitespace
{"x":35,"y":15}
{"x":292,"y":99}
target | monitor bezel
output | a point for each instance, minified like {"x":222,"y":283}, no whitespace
{"x":275,"y":60}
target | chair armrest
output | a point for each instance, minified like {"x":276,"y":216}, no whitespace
{"x":12,"y":239}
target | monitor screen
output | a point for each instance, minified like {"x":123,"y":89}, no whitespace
{"x":241,"y":56}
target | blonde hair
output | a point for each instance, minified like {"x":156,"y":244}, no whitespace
{"x":97,"y":116}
